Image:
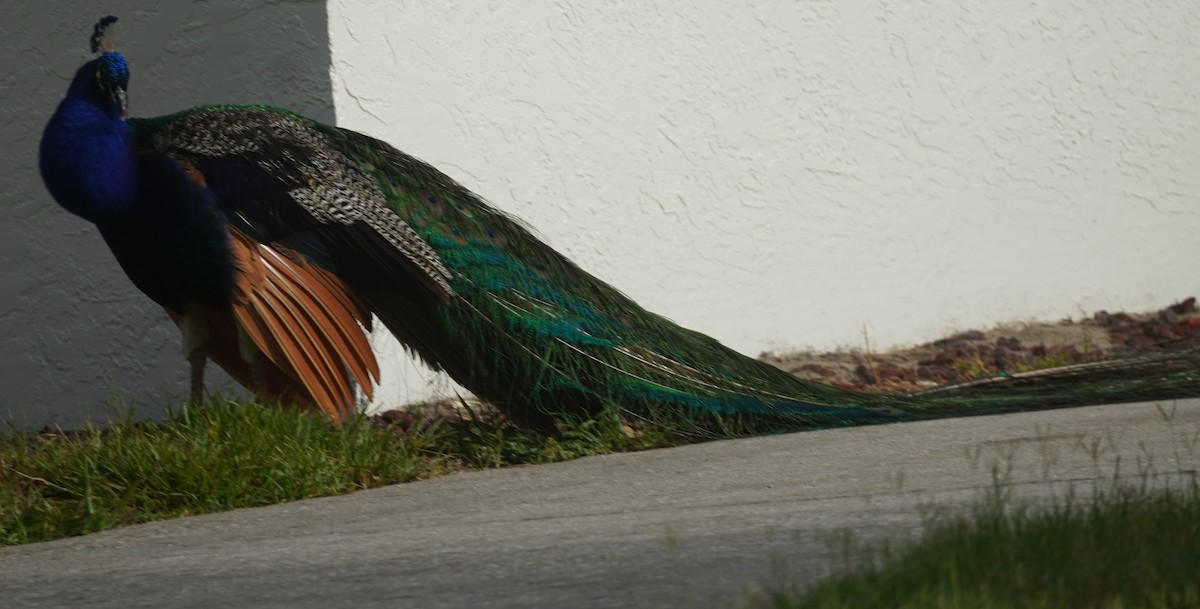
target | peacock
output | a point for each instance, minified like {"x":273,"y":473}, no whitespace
{"x":274,"y":242}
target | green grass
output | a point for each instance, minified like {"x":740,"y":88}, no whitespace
{"x":224,"y":456}
{"x":1129,"y":547}
{"x":971,"y":368}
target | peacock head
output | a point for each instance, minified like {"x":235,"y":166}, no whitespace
{"x":111,"y":71}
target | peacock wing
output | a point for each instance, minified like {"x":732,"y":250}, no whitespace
{"x":278,"y":178}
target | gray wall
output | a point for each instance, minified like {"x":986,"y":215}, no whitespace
{"x":76,"y":331}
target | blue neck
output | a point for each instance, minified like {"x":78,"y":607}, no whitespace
{"x":87,"y":157}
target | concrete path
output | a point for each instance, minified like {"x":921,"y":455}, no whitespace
{"x":688,"y":527}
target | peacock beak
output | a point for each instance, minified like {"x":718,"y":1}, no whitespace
{"x":121,"y":99}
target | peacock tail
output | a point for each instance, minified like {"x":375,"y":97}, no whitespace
{"x":272,"y":239}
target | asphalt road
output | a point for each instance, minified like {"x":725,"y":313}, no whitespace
{"x":695,"y":526}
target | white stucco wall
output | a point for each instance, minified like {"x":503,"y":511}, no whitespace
{"x":781,"y":174}
{"x":777,"y":174}
{"x":75,"y":330}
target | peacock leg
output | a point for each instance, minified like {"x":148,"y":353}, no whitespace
{"x":197,"y":359}
{"x":194,"y":327}
{"x":254,"y":358}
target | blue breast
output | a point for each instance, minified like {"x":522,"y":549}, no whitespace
{"x":174,"y":243}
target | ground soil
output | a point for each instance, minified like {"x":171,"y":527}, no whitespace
{"x":1010,"y":348}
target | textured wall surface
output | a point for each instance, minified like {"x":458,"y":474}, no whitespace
{"x":75,"y":329}
{"x":781,"y":173}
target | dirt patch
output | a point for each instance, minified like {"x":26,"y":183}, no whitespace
{"x":1008,"y":348}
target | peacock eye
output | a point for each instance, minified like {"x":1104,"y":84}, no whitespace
{"x":101,"y":80}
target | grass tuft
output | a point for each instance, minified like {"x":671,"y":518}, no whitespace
{"x":1125,"y":548}
{"x":203,"y":459}
{"x":975,"y":367}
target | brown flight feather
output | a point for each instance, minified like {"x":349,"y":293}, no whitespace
{"x":305,"y":323}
